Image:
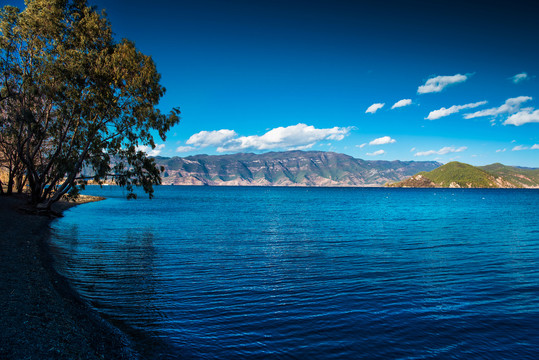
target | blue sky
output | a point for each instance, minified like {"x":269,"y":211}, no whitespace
{"x":256,"y":76}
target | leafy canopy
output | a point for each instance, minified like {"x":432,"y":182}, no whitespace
{"x":72,"y":98}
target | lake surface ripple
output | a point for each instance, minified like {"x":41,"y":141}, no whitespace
{"x":311,"y":273}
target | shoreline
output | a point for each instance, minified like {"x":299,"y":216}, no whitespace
{"x":43,"y":317}
{"x":368,"y":186}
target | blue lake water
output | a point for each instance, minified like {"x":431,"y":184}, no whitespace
{"x":311,"y":273}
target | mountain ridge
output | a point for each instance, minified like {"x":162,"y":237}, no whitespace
{"x":289,"y":168}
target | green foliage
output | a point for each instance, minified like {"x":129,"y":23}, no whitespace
{"x":72,"y":97}
{"x":519,"y":177}
{"x":489,"y":176}
{"x":462,"y":174}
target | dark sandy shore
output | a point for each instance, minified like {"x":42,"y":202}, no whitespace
{"x":41,"y":316}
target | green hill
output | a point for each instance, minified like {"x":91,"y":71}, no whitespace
{"x":460,"y":175}
{"x":520,"y":177}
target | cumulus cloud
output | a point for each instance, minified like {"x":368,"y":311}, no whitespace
{"x":442,"y":151}
{"x":527,"y":115}
{"x":436,"y":114}
{"x":378,"y":152}
{"x":304,"y":147}
{"x":511,"y":106}
{"x":182,"y":149}
{"x":412,"y":149}
{"x":374,"y":108}
{"x":500,"y":150}
{"x":284,"y":137}
{"x":438,"y":83}
{"x":535,"y":147}
{"x":149,"y":151}
{"x":383,"y":140}
{"x":520,"y":147}
{"x":211,"y":138}
{"x":519,"y":77}
{"x":402,"y":103}
{"x":362,"y":145}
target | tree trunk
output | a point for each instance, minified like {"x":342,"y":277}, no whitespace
{"x":35,"y":192}
{"x":9,"y":190}
{"x":21,"y":182}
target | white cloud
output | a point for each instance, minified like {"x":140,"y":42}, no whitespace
{"x":519,"y":77}
{"x":149,"y":151}
{"x":383,"y":140}
{"x":501,"y":150}
{"x":362,"y":145}
{"x":378,"y":152}
{"x":412,"y":149}
{"x":522,"y":147}
{"x":284,"y":137}
{"x":438,"y":83}
{"x":211,"y":138}
{"x":304,"y":147}
{"x":402,"y":103}
{"x":511,"y":106}
{"x":436,"y":114}
{"x":182,"y":149}
{"x":442,"y":151}
{"x":527,"y":115}
{"x":374,"y":108}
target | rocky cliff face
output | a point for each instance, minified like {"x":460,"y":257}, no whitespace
{"x":416,"y":181}
{"x":292,"y":168}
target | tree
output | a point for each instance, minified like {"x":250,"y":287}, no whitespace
{"x":72,"y":97}
{"x":11,"y":166}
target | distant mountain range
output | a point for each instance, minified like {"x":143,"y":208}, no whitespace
{"x":290,"y":168}
{"x":460,"y":175}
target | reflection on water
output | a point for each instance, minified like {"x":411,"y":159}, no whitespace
{"x":222,"y":273}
